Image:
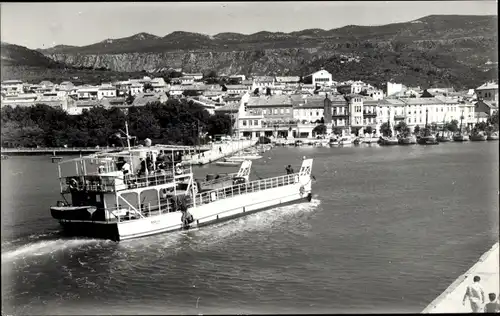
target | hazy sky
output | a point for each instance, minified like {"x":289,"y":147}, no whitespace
{"x":42,"y":25}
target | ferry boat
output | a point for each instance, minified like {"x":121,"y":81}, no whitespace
{"x":128,"y":194}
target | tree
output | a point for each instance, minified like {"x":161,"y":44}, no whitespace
{"x":402,"y":128}
{"x":130,"y":98}
{"x":385,"y":129}
{"x":320,"y":129}
{"x":493,"y":119}
{"x":369,"y":130}
{"x":452,"y":126}
{"x":147,"y":87}
{"x":337,"y":130}
{"x":416,"y":130}
{"x":481,"y":126}
{"x":190,"y":93}
{"x":268,"y":91}
{"x":256,"y":91}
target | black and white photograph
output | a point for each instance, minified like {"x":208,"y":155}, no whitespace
{"x":249,"y":157}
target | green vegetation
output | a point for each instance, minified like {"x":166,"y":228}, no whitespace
{"x":385,"y":129}
{"x":174,"y":122}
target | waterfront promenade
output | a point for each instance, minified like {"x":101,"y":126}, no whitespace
{"x":67,"y":151}
{"x":450,"y":301}
{"x":214,"y":153}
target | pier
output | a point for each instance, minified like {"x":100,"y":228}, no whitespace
{"x":214,"y":153}
{"x":450,"y":301}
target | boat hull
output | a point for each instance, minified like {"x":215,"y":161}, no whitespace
{"x":427,"y":141}
{"x":492,"y":137}
{"x":206,"y":214}
{"x":460,"y":138}
{"x":478,"y":138}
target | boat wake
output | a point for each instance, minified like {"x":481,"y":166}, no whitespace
{"x":44,"y":247}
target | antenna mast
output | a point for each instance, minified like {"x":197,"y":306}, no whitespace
{"x":128,"y":136}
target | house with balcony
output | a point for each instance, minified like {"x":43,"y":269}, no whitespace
{"x":488,"y":92}
{"x":87,"y":93}
{"x":106,"y":91}
{"x":262,"y":83}
{"x":275,"y":110}
{"x":12,"y":87}
{"x":236,"y":89}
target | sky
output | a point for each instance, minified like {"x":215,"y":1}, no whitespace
{"x":43,"y":25}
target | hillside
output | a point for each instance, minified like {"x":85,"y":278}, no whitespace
{"x":438,"y":49}
{"x":21,"y":63}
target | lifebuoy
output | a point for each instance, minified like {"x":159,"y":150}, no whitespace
{"x":163,"y":193}
{"x":73,"y":184}
{"x":302,"y":190}
{"x":178,"y":170}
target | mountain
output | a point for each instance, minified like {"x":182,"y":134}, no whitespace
{"x":15,"y":55}
{"x":21,"y":63}
{"x":447,"y":49}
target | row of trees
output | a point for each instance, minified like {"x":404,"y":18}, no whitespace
{"x":173,"y":122}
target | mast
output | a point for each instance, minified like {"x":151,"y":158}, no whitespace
{"x":128,"y":136}
{"x":461,"y":118}
{"x":426,"y":121}
{"x":444,"y":120}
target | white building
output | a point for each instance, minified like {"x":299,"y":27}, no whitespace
{"x":319,"y":78}
{"x":106,"y":92}
{"x":393,"y":88}
{"x":262,"y":83}
{"x":12,"y":87}
{"x":158,"y":84}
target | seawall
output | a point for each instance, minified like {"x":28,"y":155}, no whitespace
{"x":214,"y":154}
{"x":450,"y":301}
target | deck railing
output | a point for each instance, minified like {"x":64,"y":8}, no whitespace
{"x":107,"y":183}
{"x":211,"y":196}
{"x":244,"y":188}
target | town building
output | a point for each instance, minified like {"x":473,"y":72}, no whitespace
{"x":262,"y":83}
{"x":319,"y":78}
{"x":488,"y":92}
{"x":12,"y":87}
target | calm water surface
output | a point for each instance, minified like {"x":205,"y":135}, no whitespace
{"x":388,"y":229}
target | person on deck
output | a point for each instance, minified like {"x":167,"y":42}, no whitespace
{"x":144,"y":169}
{"x":493,"y":306}
{"x":475,"y":294}
{"x":289,"y":169}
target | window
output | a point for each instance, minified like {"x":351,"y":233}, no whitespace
{"x":255,"y":122}
{"x":287,"y":111}
{"x":244,"y":123}
{"x":442,"y":109}
{"x":317,"y":113}
{"x":311,"y":113}
{"x":282,"y":111}
{"x":249,"y":122}
{"x":275,"y":111}
{"x":264,"y":111}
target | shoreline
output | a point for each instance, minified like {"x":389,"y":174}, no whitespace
{"x":450,"y":300}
